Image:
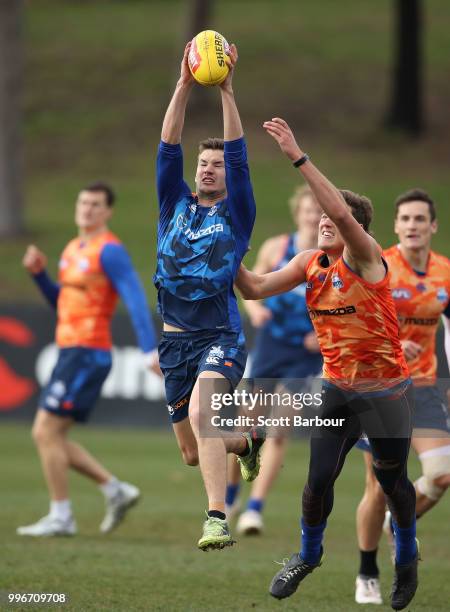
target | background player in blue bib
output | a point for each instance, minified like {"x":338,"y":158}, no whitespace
{"x":202,"y":239}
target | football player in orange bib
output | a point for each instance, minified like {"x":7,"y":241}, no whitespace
{"x":94,"y":270}
{"x":420,"y":283}
{"x":366,"y":380}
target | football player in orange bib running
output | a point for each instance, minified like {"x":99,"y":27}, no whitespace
{"x":366,"y":386}
{"x":94,"y":270}
{"x":420,"y":283}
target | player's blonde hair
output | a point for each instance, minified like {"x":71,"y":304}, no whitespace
{"x":294,"y":201}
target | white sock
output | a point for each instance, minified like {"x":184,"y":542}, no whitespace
{"x":61,"y":510}
{"x":110,"y":488}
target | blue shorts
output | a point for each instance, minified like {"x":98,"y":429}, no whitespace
{"x":76,"y":382}
{"x":430,"y":412}
{"x":279,"y":362}
{"x":184,"y":355}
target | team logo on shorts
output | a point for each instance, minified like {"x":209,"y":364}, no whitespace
{"x":58,"y":388}
{"x":336,"y":281}
{"x":177,"y":406}
{"x":442,"y":295}
{"x":215,"y":353}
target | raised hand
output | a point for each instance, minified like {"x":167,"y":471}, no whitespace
{"x":185,"y":73}
{"x":231,"y":61}
{"x":34,"y":260}
{"x":282,"y":133}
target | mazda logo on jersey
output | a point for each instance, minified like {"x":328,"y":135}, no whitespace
{"x":335,"y":312}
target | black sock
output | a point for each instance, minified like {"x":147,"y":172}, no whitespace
{"x":368,"y":563}
{"x":217,"y":514}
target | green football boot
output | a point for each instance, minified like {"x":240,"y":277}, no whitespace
{"x":250,"y":464}
{"x":216,"y":534}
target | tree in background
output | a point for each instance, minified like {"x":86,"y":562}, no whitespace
{"x":406,"y":108}
{"x":198,"y":19}
{"x":11,"y":69}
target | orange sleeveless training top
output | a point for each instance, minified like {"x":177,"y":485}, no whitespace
{"x":87,"y":298}
{"x":356,"y":326}
{"x":420,"y":301}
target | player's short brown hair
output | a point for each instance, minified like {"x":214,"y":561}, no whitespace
{"x":300,"y":192}
{"x":361,"y":207}
{"x":416,"y":195}
{"x":101,"y":187}
{"x":216,"y":144}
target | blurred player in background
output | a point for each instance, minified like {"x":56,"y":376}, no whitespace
{"x":286,"y":351}
{"x":366,"y":386}
{"x":420,"y":283}
{"x":202,"y":239}
{"x":94,"y":270}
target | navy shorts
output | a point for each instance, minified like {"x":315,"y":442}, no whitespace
{"x":430,"y":412}
{"x":76,"y":382}
{"x":279,"y":362}
{"x":184,"y":355}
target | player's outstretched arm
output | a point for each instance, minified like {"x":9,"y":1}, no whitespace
{"x":258,"y":313}
{"x":35,"y":261}
{"x":173,"y":123}
{"x":255,"y":286}
{"x":362,"y":247}
{"x":232,"y":126}
{"x":118,"y":267}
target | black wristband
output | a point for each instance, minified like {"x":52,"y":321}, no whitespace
{"x":301,"y":161}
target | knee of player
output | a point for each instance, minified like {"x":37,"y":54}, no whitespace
{"x":374,"y":492}
{"x":39,"y":434}
{"x":435,"y":477}
{"x":190,"y":456}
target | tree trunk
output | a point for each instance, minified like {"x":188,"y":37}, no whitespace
{"x":11,"y":170}
{"x":199,"y":19}
{"x":406,"y":110}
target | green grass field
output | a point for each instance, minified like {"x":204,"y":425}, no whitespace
{"x":151,"y":562}
{"x":98,"y":77}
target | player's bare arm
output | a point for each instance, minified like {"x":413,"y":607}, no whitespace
{"x":265,"y":262}
{"x":362,"y":251}
{"x":232,"y":126}
{"x":173,"y":123}
{"x":257,"y":286}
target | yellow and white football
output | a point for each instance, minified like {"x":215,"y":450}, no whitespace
{"x":207,"y":58}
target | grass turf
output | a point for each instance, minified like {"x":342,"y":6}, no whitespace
{"x":151,"y":561}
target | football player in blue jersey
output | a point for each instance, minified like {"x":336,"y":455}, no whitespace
{"x":202,"y":239}
{"x":286,"y":352}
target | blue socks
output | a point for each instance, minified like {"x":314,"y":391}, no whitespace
{"x":311,"y":542}
{"x":255,"y":504}
{"x":232,"y":493}
{"x":405,"y":543}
